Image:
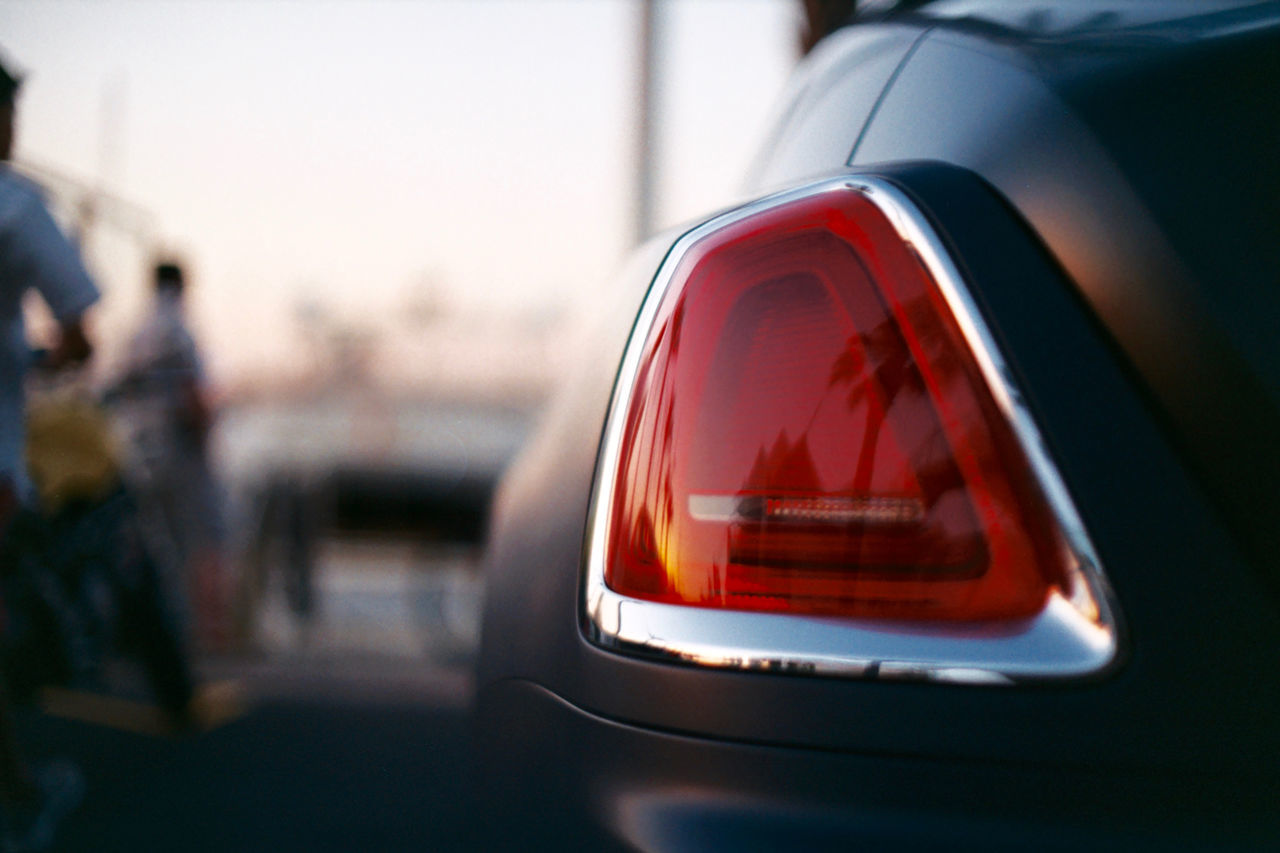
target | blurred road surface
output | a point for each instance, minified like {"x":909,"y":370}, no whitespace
{"x":349,"y":732}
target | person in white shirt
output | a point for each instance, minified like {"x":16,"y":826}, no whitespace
{"x":164,"y":404}
{"x":34,"y":255}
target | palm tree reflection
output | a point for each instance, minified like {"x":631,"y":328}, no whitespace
{"x":905,"y":509}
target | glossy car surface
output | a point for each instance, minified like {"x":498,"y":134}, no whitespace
{"x":1100,"y":179}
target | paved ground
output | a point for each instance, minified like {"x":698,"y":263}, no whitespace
{"x":349,"y":733}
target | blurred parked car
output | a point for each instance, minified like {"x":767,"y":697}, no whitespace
{"x":927,"y":500}
{"x":412,"y":467}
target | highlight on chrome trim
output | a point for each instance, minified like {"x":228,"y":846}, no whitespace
{"x":1076,"y":635}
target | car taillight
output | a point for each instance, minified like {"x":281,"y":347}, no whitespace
{"x":807,"y":428}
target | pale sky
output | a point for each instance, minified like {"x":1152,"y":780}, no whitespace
{"x":343,"y":153}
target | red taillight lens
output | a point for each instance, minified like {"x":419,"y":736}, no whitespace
{"x":808,"y":432}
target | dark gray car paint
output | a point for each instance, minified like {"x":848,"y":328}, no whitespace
{"x":1104,"y":322}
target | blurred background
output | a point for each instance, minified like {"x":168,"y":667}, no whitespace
{"x":392,"y":215}
{"x":394,"y":218}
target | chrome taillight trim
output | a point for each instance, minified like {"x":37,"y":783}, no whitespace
{"x":1077,"y":635}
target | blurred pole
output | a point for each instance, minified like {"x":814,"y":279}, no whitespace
{"x":111,"y":109}
{"x":646,"y":125}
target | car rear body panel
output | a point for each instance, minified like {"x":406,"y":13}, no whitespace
{"x":1150,"y":399}
{"x":603,"y":785}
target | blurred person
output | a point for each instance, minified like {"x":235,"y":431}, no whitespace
{"x":34,"y":254}
{"x":170,"y":418}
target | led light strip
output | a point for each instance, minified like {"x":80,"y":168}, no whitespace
{"x":875,"y":510}
{"x":1075,"y":635}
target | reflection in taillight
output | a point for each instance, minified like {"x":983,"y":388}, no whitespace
{"x":808,"y":432}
